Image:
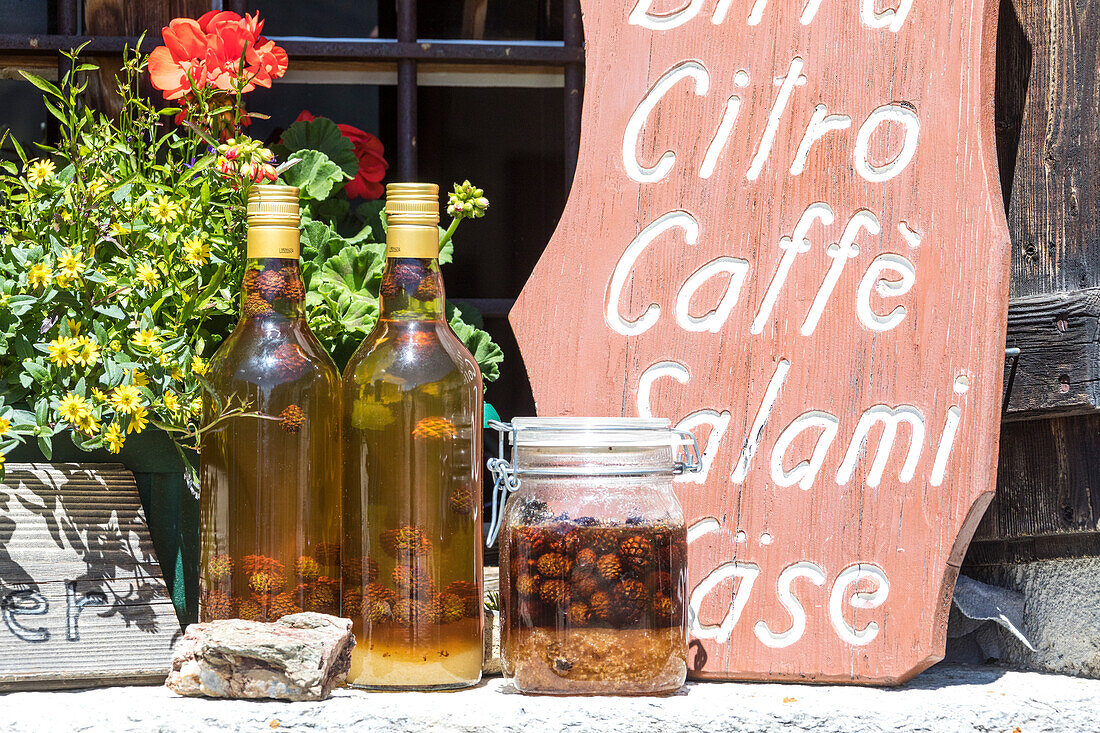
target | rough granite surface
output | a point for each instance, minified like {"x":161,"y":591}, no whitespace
{"x":302,"y":656}
{"x":943,"y":700}
{"x":1061,"y":616}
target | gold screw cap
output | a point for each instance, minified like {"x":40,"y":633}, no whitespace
{"x":412,"y":204}
{"x":271,"y":205}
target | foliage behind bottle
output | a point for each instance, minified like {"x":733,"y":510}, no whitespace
{"x":121,"y":258}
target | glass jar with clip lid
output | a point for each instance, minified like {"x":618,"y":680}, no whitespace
{"x":593,"y":574}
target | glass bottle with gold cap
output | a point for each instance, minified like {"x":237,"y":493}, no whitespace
{"x":270,"y":502}
{"x":412,"y":483}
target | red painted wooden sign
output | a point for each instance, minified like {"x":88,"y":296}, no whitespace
{"x":786,"y":234}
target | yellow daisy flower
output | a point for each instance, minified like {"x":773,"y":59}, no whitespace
{"x":138,"y":421}
{"x":5,"y":426}
{"x":115,"y":346}
{"x":89,"y":351}
{"x":98,"y":395}
{"x":198,"y":366}
{"x":39,"y":275}
{"x":64,"y":350}
{"x":114,"y":438}
{"x":145,"y":338}
{"x":176,"y":374}
{"x":196,"y":251}
{"x":196,"y":406}
{"x":164,"y":210}
{"x":96,"y":187}
{"x":63,"y":281}
{"x":126,"y":399}
{"x":40,"y":171}
{"x":118,"y":228}
{"x":70,"y":265}
{"x":139,"y":379}
{"x":74,"y":326}
{"x":171,"y":402}
{"x":88,"y":424}
{"x":147,"y":275}
{"x":73,"y":409}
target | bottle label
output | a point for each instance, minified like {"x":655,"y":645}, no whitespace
{"x":273,"y":242}
{"x":412,"y":241}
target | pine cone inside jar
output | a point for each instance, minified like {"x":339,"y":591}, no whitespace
{"x":554,"y":565}
{"x":412,"y":579}
{"x":603,"y":540}
{"x":660,"y":581}
{"x":662,"y":607}
{"x":378,"y":611}
{"x":579,"y":614}
{"x":462,"y":588}
{"x":219,"y":567}
{"x":586,"y":559}
{"x":553,"y":591}
{"x":378,"y":592}
{"x":327,"y":553}
{"x":252,"y":564}
{"x":454,"y":608}
{"x":307,"y":569}
{"x":217,"y":606}
{"x":361,"y":570}
{"x":290,"y":361}
{"x":322,"y":597}
{"x":406,"y":540}
{"x":283,"y":605}
{"x":527,"y":585}
{"x":409,"y":612}
{"x":530,"y":541}
{"x":270,"y":284}
{"x":637,"y":551}
{"x":584,"y":583}
{"x":409,"y":274}
{"x":600,"y":605}
{"x":609,"y":567}
{"x":266,"y":582}
{"x":630,"y":600}
{"x":351,"y":602}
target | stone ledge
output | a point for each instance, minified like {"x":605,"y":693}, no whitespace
{"x":944,"y":699}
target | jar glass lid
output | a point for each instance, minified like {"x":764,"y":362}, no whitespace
{"x":640,"y":432}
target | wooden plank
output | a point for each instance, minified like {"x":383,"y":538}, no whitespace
{"x":1054,"y":211}
{"x":662,"y":291}
{"x":1058,"y":335}
{"x":82,"y":600}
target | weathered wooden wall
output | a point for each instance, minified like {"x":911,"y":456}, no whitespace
{"x":1048,"y":128}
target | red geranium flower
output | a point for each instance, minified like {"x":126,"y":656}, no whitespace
{"x":221,"y":49}
{"x":367,"y":183}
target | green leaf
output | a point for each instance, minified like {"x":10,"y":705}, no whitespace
{"x":41,"y":84}
{"x":111,"y":311}
{"x":320,"y":134}
{"x":487,"y":354}
{"x":315,"y":175}
{"x":38,"y":372}
{"x":45,"y":444}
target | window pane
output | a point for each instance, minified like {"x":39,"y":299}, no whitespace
{"x":518,"y":20}
{"x":320,"y":18}
{"x":24,"y":16}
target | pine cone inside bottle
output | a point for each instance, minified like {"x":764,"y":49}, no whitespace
{"x":270,"y":283}
{"x":290,"y":361}
{"x":404,"y":276}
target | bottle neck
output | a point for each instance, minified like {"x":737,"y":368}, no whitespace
{"x":412,"y":290}
{"x":272,"y":288}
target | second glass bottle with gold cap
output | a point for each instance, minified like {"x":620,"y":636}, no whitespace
{"x":270,"y":504}
{"x":412,"y":482}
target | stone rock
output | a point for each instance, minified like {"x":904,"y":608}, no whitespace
{"x":299,"y":657}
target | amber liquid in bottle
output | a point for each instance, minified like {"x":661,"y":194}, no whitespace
{"x":412,"y":397}
{"x":270,"y":504}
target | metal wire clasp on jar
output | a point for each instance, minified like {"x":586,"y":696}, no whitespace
{"x":593,"y":573}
